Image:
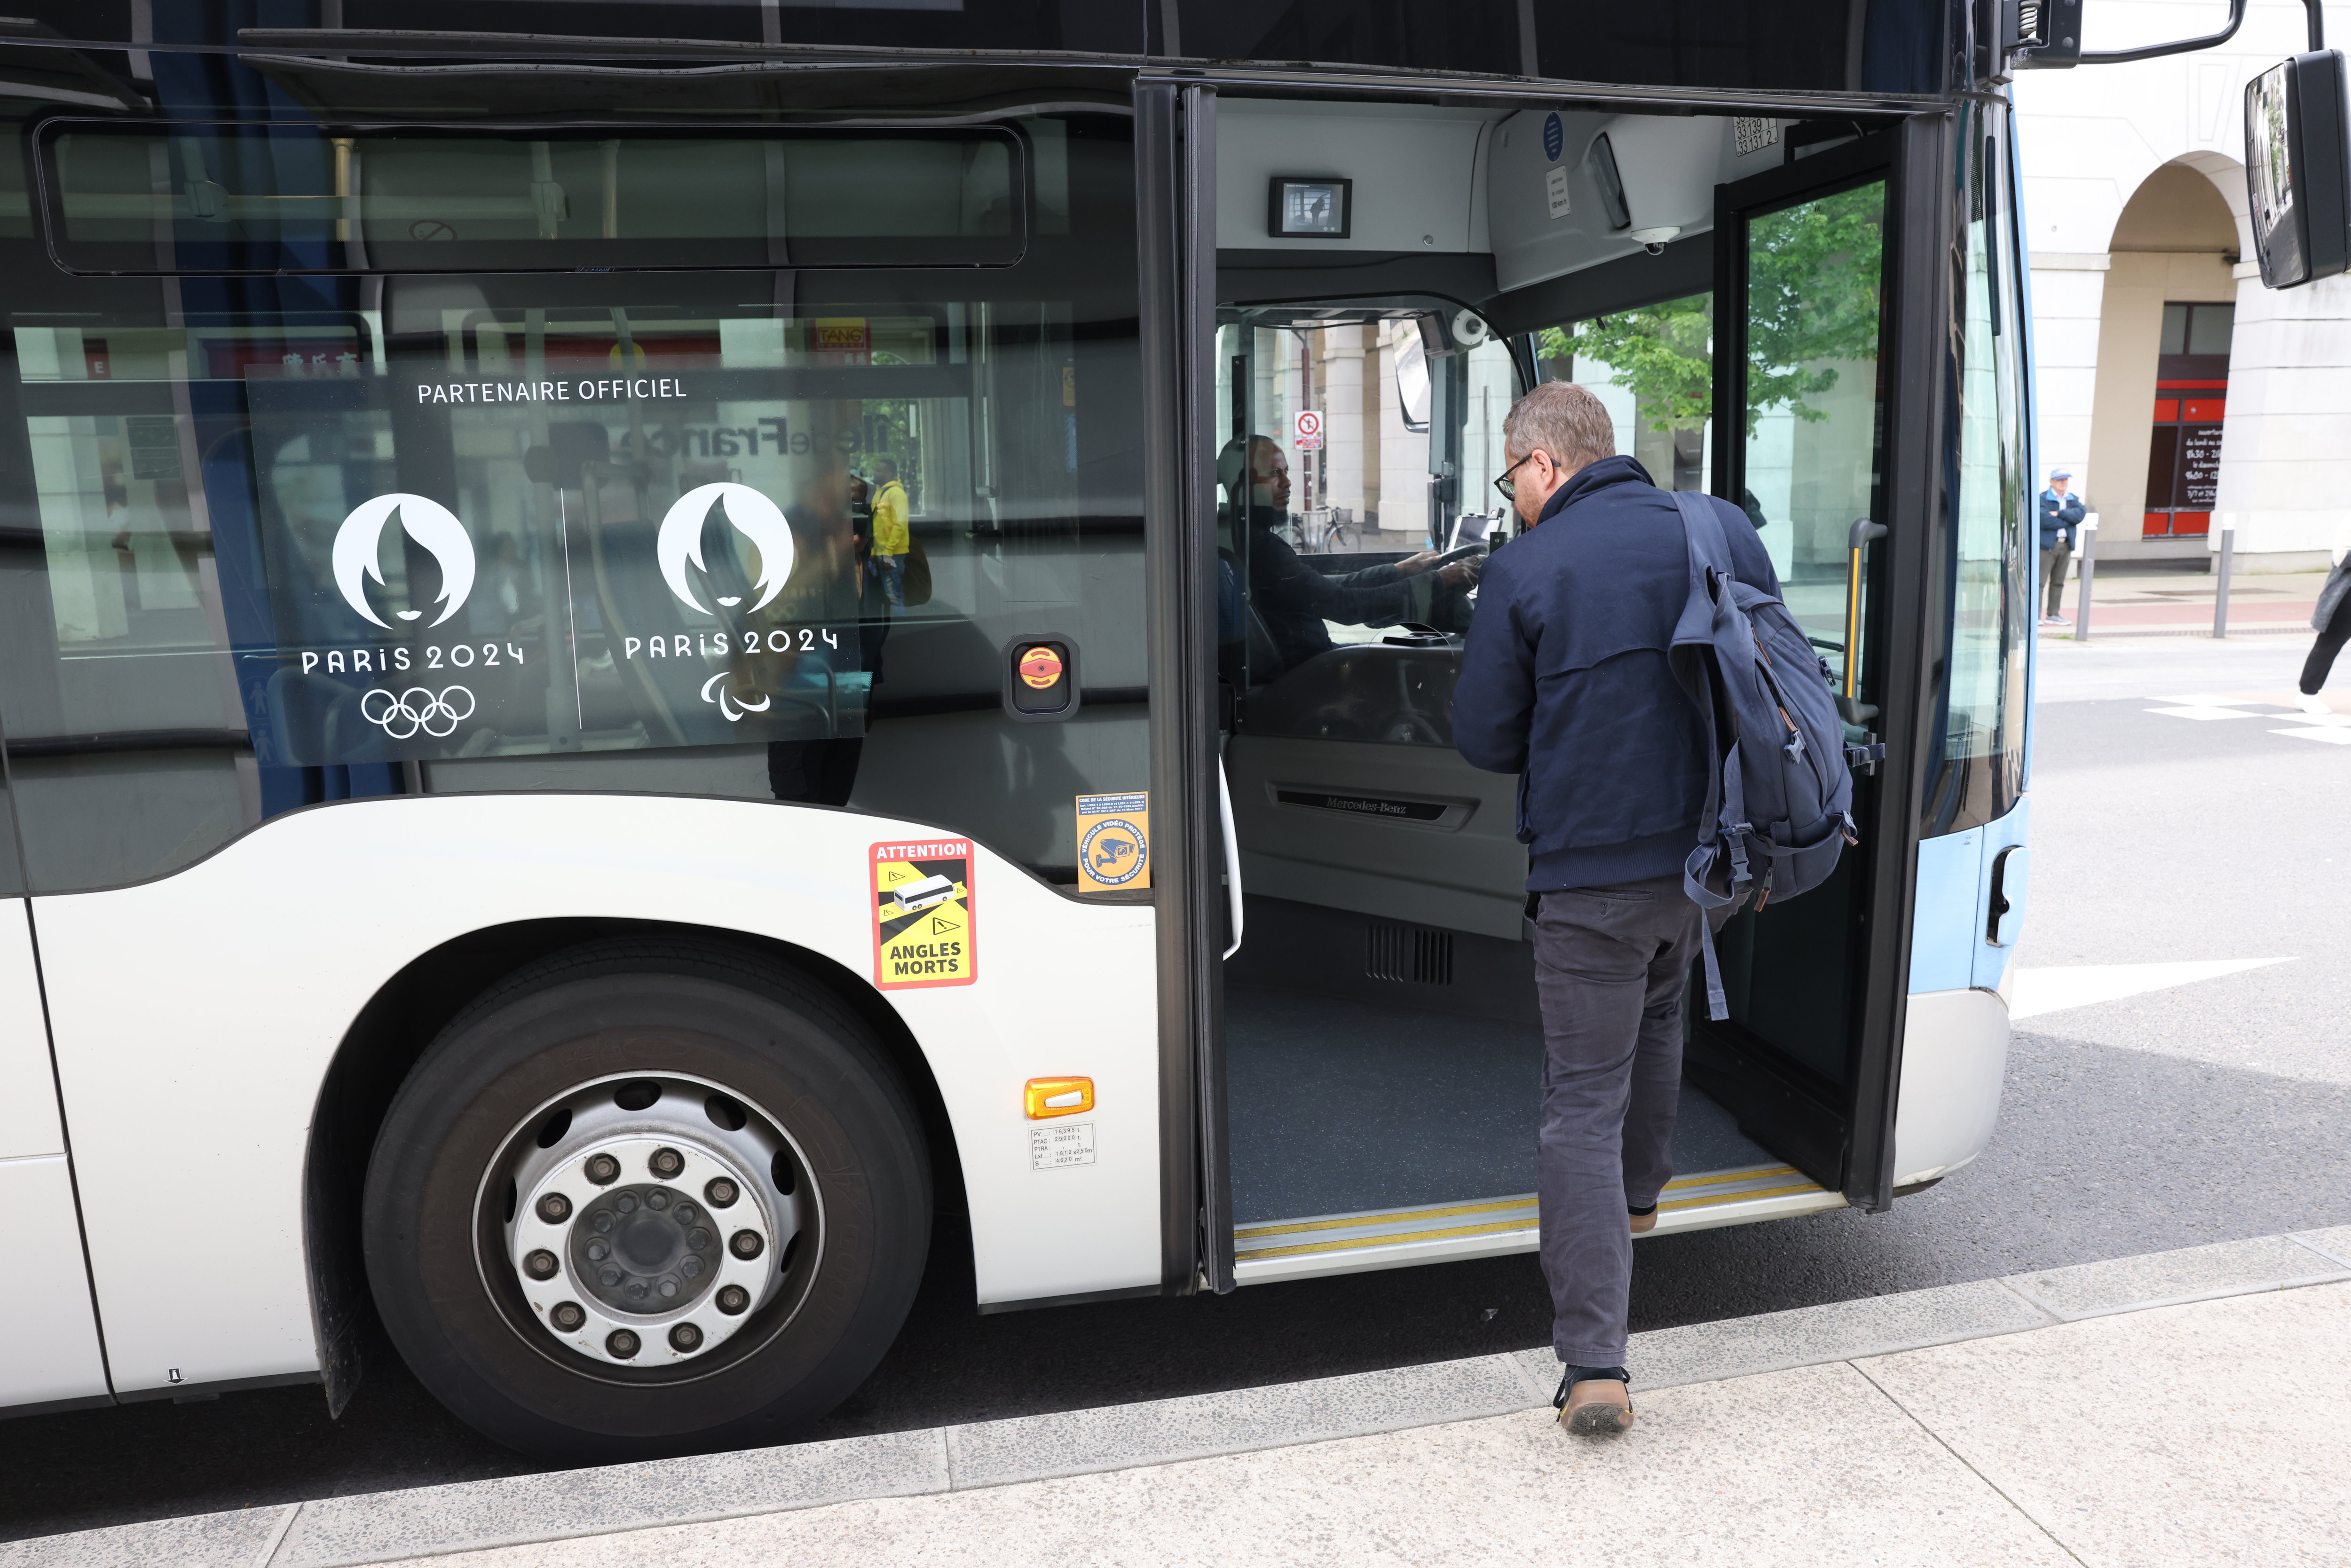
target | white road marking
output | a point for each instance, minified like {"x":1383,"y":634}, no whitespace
{"x":2053,"y":989}
{"x":2202,"y":712}
{"x":2332,"y":737}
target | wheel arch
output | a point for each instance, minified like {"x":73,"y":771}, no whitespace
{"x":410,"y":1009}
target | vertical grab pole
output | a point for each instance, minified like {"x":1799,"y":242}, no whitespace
{"x":1857,"y":541}
{"x":2220,"y":598}
{"x":2089,"y":575}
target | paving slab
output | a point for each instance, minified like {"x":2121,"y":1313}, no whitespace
{"x":2211,"y":1433}
{"x":1806,"y":1336}
{"x":242,"y":1539}
{"x":1811,"y":1467}
{"x":992,"y":1453}
{"x":2332,"y":1244}
{"x":2191,"y":1273}
{"x":384,"y":1526}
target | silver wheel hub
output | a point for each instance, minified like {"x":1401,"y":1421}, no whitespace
{"x":648,"y":1231}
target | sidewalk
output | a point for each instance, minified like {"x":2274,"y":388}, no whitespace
{"x":2127,"y":603}
{"x":2189,"y":1406}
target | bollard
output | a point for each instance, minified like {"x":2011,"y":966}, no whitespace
{"x":2089,"y":573}
{"x":2220,"y":598}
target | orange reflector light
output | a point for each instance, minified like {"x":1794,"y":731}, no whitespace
{"x":1050,"y":1097}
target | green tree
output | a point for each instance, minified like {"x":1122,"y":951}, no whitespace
{"x":1813,"y":274}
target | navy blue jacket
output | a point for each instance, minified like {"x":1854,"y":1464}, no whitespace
{"x":1566,"y":681}
{"x":2059,"y":515}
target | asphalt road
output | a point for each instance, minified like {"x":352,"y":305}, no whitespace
{"x":2207,"y":1112}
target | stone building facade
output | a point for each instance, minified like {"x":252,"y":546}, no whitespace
{"x":2185,"y":397}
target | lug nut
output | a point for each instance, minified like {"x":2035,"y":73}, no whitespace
{"x":554,"y":1209}
{"x":621,"y":1345}
{"x":721,"y":1192}
{"x":540,"y":1265}
{"x":733,"y":1299}
{"x":697,"y":1239}
{"x":687,"y":1214}
{"x":685,"y":1337}
{"x":603,"y":1169}
{"x":745,"y":1244}
{"x":657,"y":1199}
{"x":567,"y":1315}
{"x":667,"y":1163}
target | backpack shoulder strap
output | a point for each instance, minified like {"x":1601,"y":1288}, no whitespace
{"x":1702,"y":515}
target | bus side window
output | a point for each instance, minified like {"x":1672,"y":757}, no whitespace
{"x":460,"y":537}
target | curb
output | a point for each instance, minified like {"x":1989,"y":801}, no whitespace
{"x":468,"y":1516}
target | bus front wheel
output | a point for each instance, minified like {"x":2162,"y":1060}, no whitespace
{"x":643,"y":1197}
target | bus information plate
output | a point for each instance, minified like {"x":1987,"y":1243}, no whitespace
{"x":922,"y":927}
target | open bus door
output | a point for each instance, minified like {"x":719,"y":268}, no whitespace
{"x":1829,"y":412}
{"x":1364,"y":1065}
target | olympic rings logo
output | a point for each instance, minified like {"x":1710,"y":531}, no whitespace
{"x":403,"y":717}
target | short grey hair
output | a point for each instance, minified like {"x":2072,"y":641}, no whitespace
{"x":1565,"y":420}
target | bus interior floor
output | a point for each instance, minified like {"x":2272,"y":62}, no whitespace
{"x":1341,"y":1106}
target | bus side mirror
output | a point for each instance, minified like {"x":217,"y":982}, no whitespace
{"x":2298,"y":169}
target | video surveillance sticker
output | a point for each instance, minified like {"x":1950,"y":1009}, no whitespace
{"x":1114,"y":841}
{"x":923,"y":927}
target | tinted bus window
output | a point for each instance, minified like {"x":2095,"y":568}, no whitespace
{"x":288,"y":541}
{"x":1883,"y":46}
{"x":300,"y":198}
{"x":1017,"y":25}
{"x":1419,"y":34}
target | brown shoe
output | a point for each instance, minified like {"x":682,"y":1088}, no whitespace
{"x":1644,"y":1219}
{"x":1598,"y":1405}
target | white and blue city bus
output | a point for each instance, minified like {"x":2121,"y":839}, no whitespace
{"x":501,"y":840}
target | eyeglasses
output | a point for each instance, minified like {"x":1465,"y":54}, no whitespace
{"x":1507,"y":485}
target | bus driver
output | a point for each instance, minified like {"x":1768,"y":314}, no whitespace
{"x":1292,"y":598}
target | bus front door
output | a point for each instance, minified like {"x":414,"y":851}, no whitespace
{"x":1824,"y":424}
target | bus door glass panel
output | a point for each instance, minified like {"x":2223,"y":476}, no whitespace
{"x":1978,"y":770}
{"x":1381,"y":1028}
{"x":1800,"y":325}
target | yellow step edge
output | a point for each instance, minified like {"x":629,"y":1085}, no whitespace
{"x":1354,"y":1242}
{"x":1361,"y":1221}
{"x":1708,"y":1199}
{"x":1719,"y":1177}
{"x":1449,"y":1232}
{"x":1352,"y":1222}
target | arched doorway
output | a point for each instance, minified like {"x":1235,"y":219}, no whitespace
{"x":2165,"y":324}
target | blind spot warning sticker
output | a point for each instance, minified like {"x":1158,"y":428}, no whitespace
{"x":924,"y":931}
{"x":1114,"y":841}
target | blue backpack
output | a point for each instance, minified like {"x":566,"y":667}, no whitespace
{"x":1779,"y":790}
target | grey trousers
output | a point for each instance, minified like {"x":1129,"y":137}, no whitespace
{"x":1611,"y":965}
{"x":2054,"y":562}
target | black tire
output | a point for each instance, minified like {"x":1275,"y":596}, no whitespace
{"x":648,"y":1011}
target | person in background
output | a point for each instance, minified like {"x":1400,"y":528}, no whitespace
{"x":2331,"y":621}
{"x":891,"y":536}
{"x":2061,"y":513}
